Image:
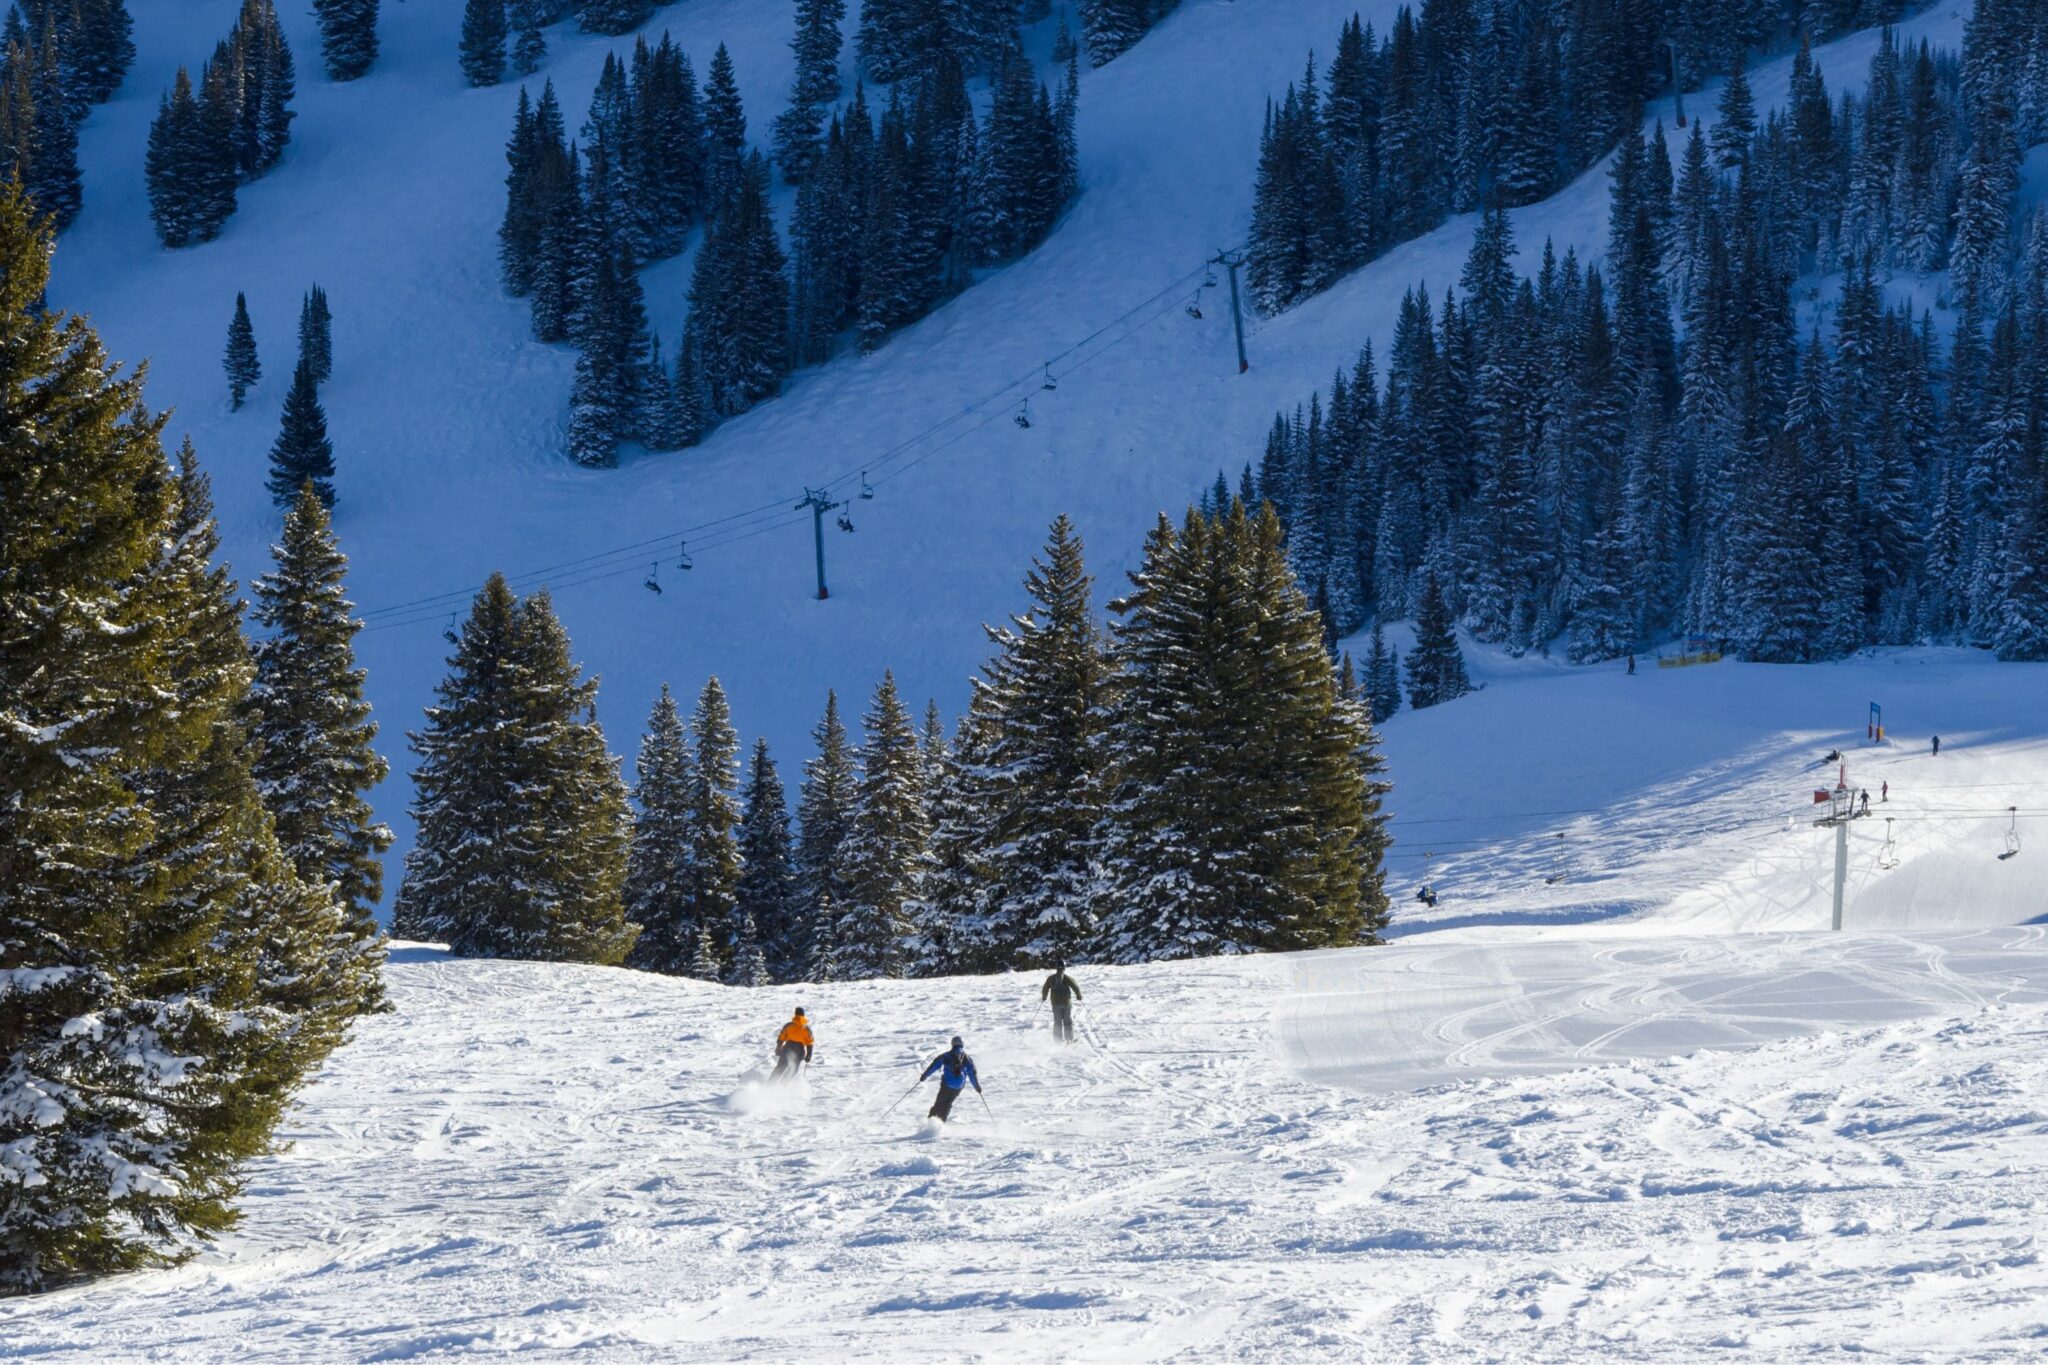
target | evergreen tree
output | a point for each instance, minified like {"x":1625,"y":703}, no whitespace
{"x":715,"y":820}
{"x":738,"y":330}
{"x":140,"y":887}
{"x":348,"y":36}
{"x":314,"y":760}
{"x":1734,"y":120}
{"x":1237,"y":820}
{"x":1112,"y":27}
{"x":725,"y":129}
{"x":657,"y":891}
{"x":190,"y":170}
{"x":523,"y":822}
{"x":750,"y":963}
{"x":483,"y":41}
{"x":316,"y":335}
{"x":799,"y":129}
{"x":302,"y":453}
{"x":243,"y":367}
{"x":614,"y":16}
{"x":1382,"y":677}
{"x":825,"y":814}
{"x":822,"y":963}
{"x":704,"y":960}
{"x":766,"y":896}
{"x":1436,"y":667}
{"x":526,"y":19}
{"x":885,"y":843}
{"x":1043,"y":701}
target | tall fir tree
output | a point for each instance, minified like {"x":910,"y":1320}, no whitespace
{"x":799,"y":129}
{"x":483,"y":41}
{"x":243,"y":366}
{"x":825,"y":813}
{"x":524,"y":828}
{"x":885,"y":843}
{"x":1043,"y":701}
{"x":657,"y":894}
{"x":140,"y":886}
{"x":714,"y":869}
{"x":316,"y":335}
{"x":348,"y":36}
{"x":767,"y":891}
{"x":314,"y":757}
{"x":302,"y":454}
{"x":1436,"y":666}
{"x":1238,"y":817}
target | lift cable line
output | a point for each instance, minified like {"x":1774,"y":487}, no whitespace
{"x":630,"y":558}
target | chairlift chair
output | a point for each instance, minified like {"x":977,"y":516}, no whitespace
{"x":653,"y":583}
{"x":683,"y":560}
{"x":1050,"y":383}
{"x":845,"y":522}
{"x":1194,"y":309}
{"x":448,"y":631}
{"x":1023,"y":417}
{"x":1556,"y":863}
{"x":867,"y":490}
{"x":2012,"y":835}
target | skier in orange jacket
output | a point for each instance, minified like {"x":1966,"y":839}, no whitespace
{"x":792,"y":1045}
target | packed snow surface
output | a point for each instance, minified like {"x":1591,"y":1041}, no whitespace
{"x":1650,"y":1109}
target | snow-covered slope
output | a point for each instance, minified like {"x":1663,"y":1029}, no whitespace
{"x":447,"y":420}
{"x":564,"y":1161}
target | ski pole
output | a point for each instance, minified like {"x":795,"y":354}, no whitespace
{"x":902,"y":1097}
{"x":984,"y":1106}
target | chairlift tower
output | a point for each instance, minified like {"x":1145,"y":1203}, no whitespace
{"x":1231,"y":261}
{"x":819,"y":502}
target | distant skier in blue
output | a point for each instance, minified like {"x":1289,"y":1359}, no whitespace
{"x":958,"y":1072}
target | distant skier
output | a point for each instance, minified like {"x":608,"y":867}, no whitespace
{"x":957,"y":1072}
{"x":1937,"y":746}
{"x":792,"y":1046}
{"x":1884,"y":791}
{"x":1631,"y":665}
{"x":1866,"y":802}
{"x":1063,"y":991}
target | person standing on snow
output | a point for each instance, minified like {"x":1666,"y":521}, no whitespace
{"x":1063,"y":991}
{"x":957,"y":1070}
{"x":792,"y":1045}
{"x":1937,"y":746}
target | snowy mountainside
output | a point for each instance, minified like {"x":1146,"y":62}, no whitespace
{"x":448,"y":420}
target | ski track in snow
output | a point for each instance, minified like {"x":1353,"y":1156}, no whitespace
{"x":528,"y":1158}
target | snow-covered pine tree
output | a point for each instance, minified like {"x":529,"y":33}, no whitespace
{"x":749,"y":963}
{"x":1436,"y":666}
{"x":523,"y":821}
{"x":821,"y":965}
{"x":348,"y":36}
{"x":766,"y":895}
{"x":738,"y":329}
{"x":825,"y":813}
{"x":800,"y":128}
{"x":1112,"y":27}
{"x":657,"y":894}
{"x":1382,"y":681}
{"x":243,"y":366}
{"x":725,"y":129}
{"x":715,"y":867}
{"x":885,"y":843}
{"x":121,"y":666}
{"x":483,"y":41}
{"x":1734,"y":120}
{"x":526,"y":19}
{"x":614,"y":17}
{"x":190,"y":172}
{"x":1043,"y":701}
{"x":302,"y":453}
{"x":705,"y":963}
{"x":949,"y":933}
{"x":316,"y":335}
{"x":1236,"y":821}
{"x":313,"y":736}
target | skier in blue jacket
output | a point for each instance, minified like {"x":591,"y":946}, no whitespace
{"x":957,"y":1070}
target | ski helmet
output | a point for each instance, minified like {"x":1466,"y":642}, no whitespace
{"x":958,"y":1043}
{"x":799,"y":1009}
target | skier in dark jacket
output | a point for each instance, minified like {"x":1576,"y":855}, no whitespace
{"x":957,"y":1070}
{"x":1063,"y":991}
